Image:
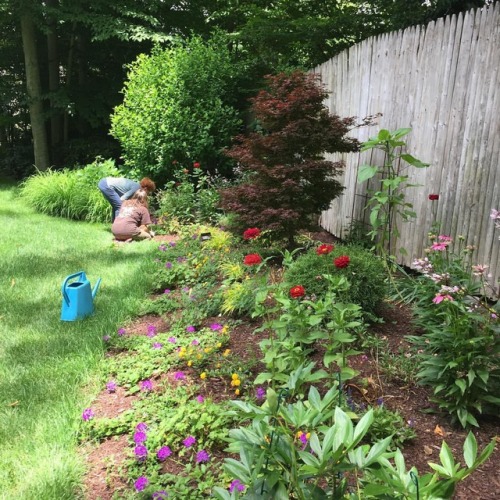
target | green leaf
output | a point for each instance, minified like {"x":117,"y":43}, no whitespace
{"x":263,"y":377}
{"x":366,"y":172}
{"x":470,"y":449}
{"x":401,"y":132}
{"x":362,"y":426}
{"x":447,"y":459}
{"x":414,"y":161}
{"x":461,"y":384}
{"x":384,"y":135}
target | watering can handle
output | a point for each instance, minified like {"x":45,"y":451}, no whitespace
{"x":71,"y":276}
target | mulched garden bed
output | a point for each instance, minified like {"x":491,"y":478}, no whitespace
{"x":102,"y":480}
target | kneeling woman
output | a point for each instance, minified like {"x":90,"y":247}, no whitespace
{"x":132,"y":221}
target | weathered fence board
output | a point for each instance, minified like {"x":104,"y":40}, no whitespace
{"x":443,"y":81}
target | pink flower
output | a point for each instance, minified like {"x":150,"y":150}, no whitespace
{"x":121,"y":331}
{"x":179,"y":376}
{"x":87,"y":414}
{"x":151,"y":330}
{"x":200,"y":399}
{"x":439,"y":247}
{"x":146,"y":385}
{"x":439,"y":298}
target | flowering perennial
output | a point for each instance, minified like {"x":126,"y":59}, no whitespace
{"x":342,"y":261}
{"x":141,"y":483}
{"x":163,"y":453}
{"x":189,"y":441}
{"x":87,"y":414}
{"x":252,"y":259}
{"x":251,"y":233}
{"x":297,"y":291}
{"x":202,"y":456}
{"x":324,"y":249}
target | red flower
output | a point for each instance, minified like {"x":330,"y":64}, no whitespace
{"x":251,"y":233}
{"x":433,"y":197}
{"x":342,"y":261}
{"x":297,"y":291}
{"x":252,"y":259}
{"x":196,"y":164}
{"x":324,"y":249}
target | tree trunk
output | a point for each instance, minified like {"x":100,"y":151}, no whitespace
{"x":53,"y":69}
{"x":34,"y":87}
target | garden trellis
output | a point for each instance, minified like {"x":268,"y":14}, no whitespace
{"x":443,"y":81}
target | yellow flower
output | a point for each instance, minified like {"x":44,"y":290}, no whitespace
{"x":226,"y":352}
{"x":225,"y":329}
{"x":237,"y":392}
{"x":207,"y":350}
{"x":198,"y":356}
{"x":236,"y":382}
{"x":217,"y":365}
{"x":219,"y":344}
{"x":235,"y":376}
{"x":203,"y":376}
{"x":190,"y":363}
{"x":308,"y":435}
{"x":299,"y":433}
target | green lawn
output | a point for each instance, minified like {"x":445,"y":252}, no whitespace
{"x":50,"y":369}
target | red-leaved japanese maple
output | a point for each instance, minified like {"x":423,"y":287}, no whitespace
{"x":288,"y":183}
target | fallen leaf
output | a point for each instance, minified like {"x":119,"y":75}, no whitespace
{"x":439,"y":431}
{"x":13,"y":282}
{"x":427,"y":450}
{"x":15,"y":403}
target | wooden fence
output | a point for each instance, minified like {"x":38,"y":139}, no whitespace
{"x":443,"y":81}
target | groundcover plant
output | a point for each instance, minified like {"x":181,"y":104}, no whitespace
{"x":210,"y":394}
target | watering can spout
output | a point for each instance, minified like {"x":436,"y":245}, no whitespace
{"x":96,"y":287}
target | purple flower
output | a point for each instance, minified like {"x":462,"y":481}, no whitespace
{"x":303,"y":440}
{"x":141,"y":427}
{"x":172,"y":243}
{"x":159,"y":495}
{"x":139,"y":437}
{"x":172,"y":340}
{"x":181,"y":259}
{"x":141,"y":483}
{"x":157,"y":345}
{"x":168,"y":265}
{"x":195,"y":342}
{"x":215,"y":327}
{"x":236,"y":485}
{"x":141,"y":452}
{"x":185,"y":289}
{"x":163,"y":453}
{"x":167,"y":291}
{"x":111,"y":386}
{"x":260,"y":393}
{"x":146,"y":385}
{"x":179,"y":376}
{"x":121,"y":332}
{"x":151,"y":331}
{"x":87,"y":414}
{"x":162,"y":247}
{"x":200,"y":399}
{"x":190,"y":329}
{"x":380,"y":401}
{"x":202,"y":456}
{"x":189,"y":441}
{"x":106,"y":338}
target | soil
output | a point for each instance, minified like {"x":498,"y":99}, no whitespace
{"x":411,"y":400}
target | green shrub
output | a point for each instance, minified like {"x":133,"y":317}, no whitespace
{"x":72,"y":194}
{"x":177,"y":108}
{"x":365,"y":274}
{"x":191,"y":198}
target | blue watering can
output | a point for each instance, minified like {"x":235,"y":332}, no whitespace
{"x":78,"y":298}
